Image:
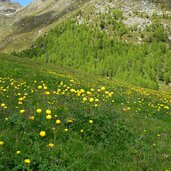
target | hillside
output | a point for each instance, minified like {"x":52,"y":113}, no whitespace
{"x":85,"y":85}
{"x":25,"y":25}
{"x":120,"y":37}
{"x":7,"y":7}
{"x":127,"y":40}
{"x":54,"y":118}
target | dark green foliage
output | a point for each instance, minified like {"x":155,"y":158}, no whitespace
{"x":157,"y":32}
{"x":79,"y":47}
{"x":117,"y":14}
{"x":113,"y":23}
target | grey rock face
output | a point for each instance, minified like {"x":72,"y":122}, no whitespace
{"x":7,"y":7}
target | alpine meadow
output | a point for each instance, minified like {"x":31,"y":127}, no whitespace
{"x":85,"y":85}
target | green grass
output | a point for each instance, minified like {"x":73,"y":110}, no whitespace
{"x":130,"y":129}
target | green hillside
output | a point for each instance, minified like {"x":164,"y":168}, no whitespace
{"x":85,"y":86}
{"x":54,"y":118}
{"x":91,"y":50}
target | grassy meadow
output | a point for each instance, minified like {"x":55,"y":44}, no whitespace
{"x":58,"y":119}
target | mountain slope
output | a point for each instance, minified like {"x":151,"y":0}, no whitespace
{"x":67,"y":108}
{"x":110,"y":38}
{"x":30,"y":22}
{"x":7,"y":7}
{"x":95,"y":50}
{"x":89,"y":123}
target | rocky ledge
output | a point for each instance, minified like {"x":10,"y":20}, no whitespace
{"x":7,"y":7}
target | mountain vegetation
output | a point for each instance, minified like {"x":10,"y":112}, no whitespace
{"x":85,"y":85}
{"x":80,"y":47}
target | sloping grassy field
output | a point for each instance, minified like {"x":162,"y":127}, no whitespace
{"x":55,"y":119}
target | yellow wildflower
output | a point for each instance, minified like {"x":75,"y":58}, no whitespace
{"x":3,"y":105}
{"x":58,"y":121}
{"x":47,"y":92}
{"x":48,"y":117}
{"x":45,"y":88}
{"x":66,"y":130}
{"x":39,"y":110}
{"x":27,"y":161}
{"x":90,"y":121}
{"x":48,"y":112}
{"x":1,"y":142}
{"x":22,"y":111}
{"x":91,"y":99}
{"x":84,"y":99}
{"x":50,"y":145}
{"x":42,"y":133}
{"x":103,"y":88}
{"x":31,"y":118}
{"x":39,"y":87}
{"x":18,"y":152}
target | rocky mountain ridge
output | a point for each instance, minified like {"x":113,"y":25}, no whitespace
{"x":19,"y":30}
{"x":138,"y":16}
{"x":20,"y":27}
{"x":7,"y":7}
